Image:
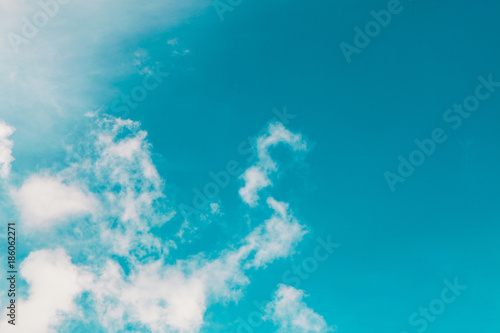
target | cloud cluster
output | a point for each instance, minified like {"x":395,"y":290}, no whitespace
{"x":174,"y":298}
{"x":110,"y":184}
{"x":116,"y":165}
{"x":108,"y":199}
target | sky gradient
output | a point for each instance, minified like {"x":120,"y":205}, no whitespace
{"x":251,"y":166}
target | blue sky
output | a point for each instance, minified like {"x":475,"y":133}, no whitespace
{"x":177,"y":163}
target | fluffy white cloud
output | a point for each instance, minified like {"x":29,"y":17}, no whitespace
{"x":44,"y":201}
{"x":54,"y":283}
{"x":167,"y":298}
{"x":5,"y":149}
{"x":256,"y":177}
{"x":290,"y":314}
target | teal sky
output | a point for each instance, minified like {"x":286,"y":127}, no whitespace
{"x":228,"y":80}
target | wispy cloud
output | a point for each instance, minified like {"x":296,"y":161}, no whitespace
{"x":257,"y":176}
{"x":71,"y":64}
{"x":277,"y":237}
{"x":290,"y":313}
{"x":5,"y":149}
{"x":115,"y":164}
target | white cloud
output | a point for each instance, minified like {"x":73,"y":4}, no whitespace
{"x":115,"y":179}
{"x":111,"y":160}
{"x":167,"y":298}
{"x":106,"y":291}
{"x":5,"y":149}
{"x":124,"y":194}
{"x":39,"y":96}
{"x":215,"y":208}
{"x":44,"y":201}
{"x":277,"y":237}
{"x":121,"y":173}
{"x":108,"y":190}
{"x":174,"y":298}
{"x":290,"y":314}
{"x":54,"y":283}
{"x":256,"y":177}
{"x":173,"y":41}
